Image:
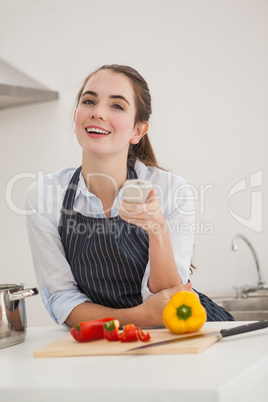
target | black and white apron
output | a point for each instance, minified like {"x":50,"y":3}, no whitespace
{"x":108,"y":256}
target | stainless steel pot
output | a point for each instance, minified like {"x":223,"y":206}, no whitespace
{"x":13,"y":322}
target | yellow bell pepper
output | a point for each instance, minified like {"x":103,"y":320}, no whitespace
{"x":184,"y":313}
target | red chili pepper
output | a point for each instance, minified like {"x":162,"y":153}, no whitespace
{"x":129,"y":333}
{"x":143,"y":336}
{"x":89,"y":330}
{"x":110,"y":330}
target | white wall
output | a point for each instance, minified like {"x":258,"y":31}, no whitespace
{"x":206,"y":63}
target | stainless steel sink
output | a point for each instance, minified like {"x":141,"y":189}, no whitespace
{"x":250,"y":303}
{"x":248,"y":309}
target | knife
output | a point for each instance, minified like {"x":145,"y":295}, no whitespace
{"x":220,"y":334}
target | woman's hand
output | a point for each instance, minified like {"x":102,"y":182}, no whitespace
{"x":152,"y":308}
{"x":149,"y":216}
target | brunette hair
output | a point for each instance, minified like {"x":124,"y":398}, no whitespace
{"x":142,"y":151}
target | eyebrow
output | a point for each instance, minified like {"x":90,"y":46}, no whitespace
{"x":111,"y":96}
{"x":119,"y":97}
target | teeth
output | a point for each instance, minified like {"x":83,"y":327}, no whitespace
{"x":97,"y":130}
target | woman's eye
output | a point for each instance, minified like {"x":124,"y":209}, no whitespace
{"x":117,"y":106}
{"x":88,"y":102}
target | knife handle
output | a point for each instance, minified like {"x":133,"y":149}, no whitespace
{"x":244,"y":328}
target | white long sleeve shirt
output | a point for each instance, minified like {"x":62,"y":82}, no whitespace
{"x":44,"y":199}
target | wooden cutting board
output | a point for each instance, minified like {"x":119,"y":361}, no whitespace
{"x":67,"y":346}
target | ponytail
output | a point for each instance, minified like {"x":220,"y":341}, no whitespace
{"x":143,"y":151}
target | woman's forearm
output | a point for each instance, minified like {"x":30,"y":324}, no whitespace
{"x":147,"y":314}
{"x":91,"y":311}
{"x":163,"y":270}
{"x":149,"y":216}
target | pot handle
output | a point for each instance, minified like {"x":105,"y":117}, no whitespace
{"x":22,"y":294}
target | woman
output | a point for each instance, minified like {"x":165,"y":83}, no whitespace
{"x":94,"y":254}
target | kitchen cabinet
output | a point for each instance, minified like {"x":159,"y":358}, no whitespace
{"x":231,"y":370}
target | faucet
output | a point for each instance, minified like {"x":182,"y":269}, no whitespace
{"x":261,"y":283}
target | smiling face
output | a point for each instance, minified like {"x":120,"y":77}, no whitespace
{"x":105,"y":115}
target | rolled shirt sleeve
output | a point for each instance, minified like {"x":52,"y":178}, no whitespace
{"x":56,"y":283}
{"x":44,"y":198}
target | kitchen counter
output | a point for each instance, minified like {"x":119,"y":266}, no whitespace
{"x":232,"y":370}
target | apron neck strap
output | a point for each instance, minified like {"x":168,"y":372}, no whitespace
{"x":69,"y":197}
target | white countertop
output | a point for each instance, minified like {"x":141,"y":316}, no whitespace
{"x":232,"y":370}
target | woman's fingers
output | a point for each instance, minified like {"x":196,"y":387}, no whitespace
{"x":156,"y":303}
{"x":149,"y":215}
{"x":168,"y":293}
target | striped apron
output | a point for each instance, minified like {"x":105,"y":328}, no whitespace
{"x":214,"y":312}
{"x":108,"y":256}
